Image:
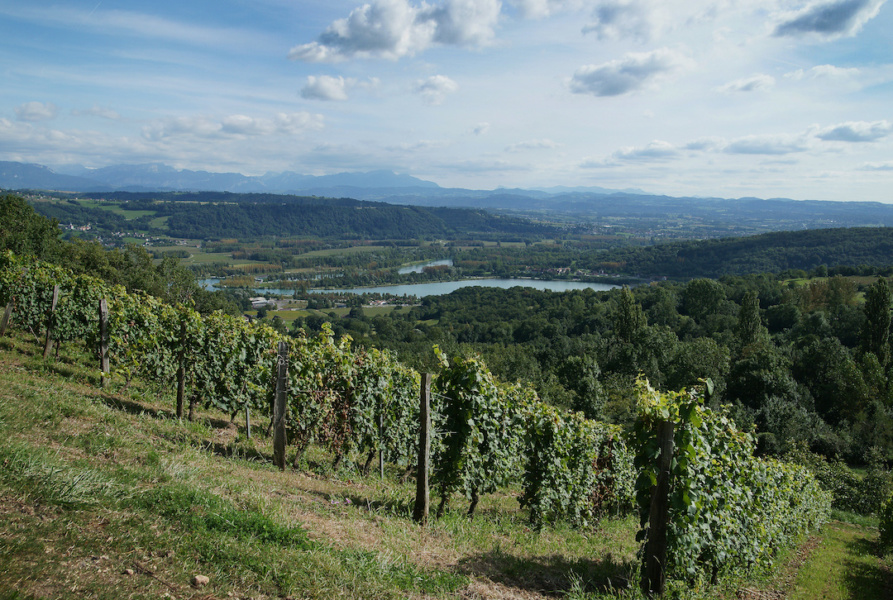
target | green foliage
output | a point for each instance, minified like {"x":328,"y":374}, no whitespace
{"x":851,"y":492}
{"x":576,"y":469}
{"x":875,"y":332}
{"x":478,"y":449}
{"x":25,"y":232}
{"x":886,"y":524}
{"x":728,"y":509}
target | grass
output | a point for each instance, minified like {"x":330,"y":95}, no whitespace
{"x":846,"y":565}
{"x":105,"y":494}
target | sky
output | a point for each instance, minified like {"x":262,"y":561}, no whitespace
{"x":723,"y":98}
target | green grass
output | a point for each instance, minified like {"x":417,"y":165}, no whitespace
{"x":845,"y":565}
{"x":114,"y":207}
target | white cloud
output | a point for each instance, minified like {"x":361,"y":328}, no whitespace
{"x":837,"y":18}
{"x":620,"y":19}
{"x":626,"y":75}
{"x":464,"y":22}
{"x":757,"y":83}
{"x":326,"y":87}
{"x":705,"y":144}
{"x":435,"y":89}
{"x":856,"y":131}
{"x":544,"y":144}
{"x":822,"y":72}
{"x":232,"y":126}
{"x":766,"y":144}
{"x":297,"y":122}
{"x":537,"y":9}
{"x":395,"y":28}
{"x":36,"y":111}
{"x":882,"y":166}
{"x":657,"y":150}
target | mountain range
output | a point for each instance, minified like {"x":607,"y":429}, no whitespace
{"x":157,"y":177}
{"x":598,"y":205}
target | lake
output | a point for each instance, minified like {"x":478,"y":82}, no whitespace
{"x":439,"y":288}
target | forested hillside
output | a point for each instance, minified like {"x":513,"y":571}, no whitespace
{"x":215,"y":215}
{"x":804,"y":361}
{"x":765,"y":253}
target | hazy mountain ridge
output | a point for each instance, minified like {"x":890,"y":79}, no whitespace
{"x":597,"y":205}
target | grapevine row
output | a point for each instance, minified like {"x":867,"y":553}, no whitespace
{"x":728,"y":509}
{"x":352,"y":402}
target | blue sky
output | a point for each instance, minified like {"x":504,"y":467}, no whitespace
{"x":726,"y":98}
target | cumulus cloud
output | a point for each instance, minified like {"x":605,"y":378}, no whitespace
{"x":837,"y":18}
{"x":619,"y":19}
{"x":435,"y":89}
{"x":395,"y":28}
{"x":766,"y":144}
{"x":232,"y":126}
{"x":822,"y":72}
{"x":326,"y":87}
{"x":537,"y":9}
{"x":757,"y":83}
{"x":856,"y":131}
{"x":36,"y":111}
{"x":631,"y":73}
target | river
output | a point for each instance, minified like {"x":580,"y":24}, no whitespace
{"x":438,"y":288}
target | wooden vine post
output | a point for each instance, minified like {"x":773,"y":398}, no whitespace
{"x":181,"y":369}
{"x":49,"y":341}
{"x":654,"y":571}
{"x":103,"y":341}
{"x":279,"y":439}
{"x":380,"y":445}
{"x":422,"y":496}
{"x":6,"y":316}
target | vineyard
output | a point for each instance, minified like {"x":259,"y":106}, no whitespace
{"x":706,"y":504}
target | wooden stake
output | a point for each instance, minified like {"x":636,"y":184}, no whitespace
{"x":654,"y":571}
{"x":6,"y":315}
{"x":279,"y":439}
{"x":103,"y":341}
{"x":422,"y":497}
{"x":48,"y":346}
{"x":181,"y":369}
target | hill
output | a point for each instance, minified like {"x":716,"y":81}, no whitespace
{"x":766,"y":253}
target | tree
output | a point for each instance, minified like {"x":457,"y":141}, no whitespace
{"x":24,"y":231}
{"x":629,"y":318}
{"x":703,"y":297}
{"x":875,"y":332}
{"x":750,"y":327}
